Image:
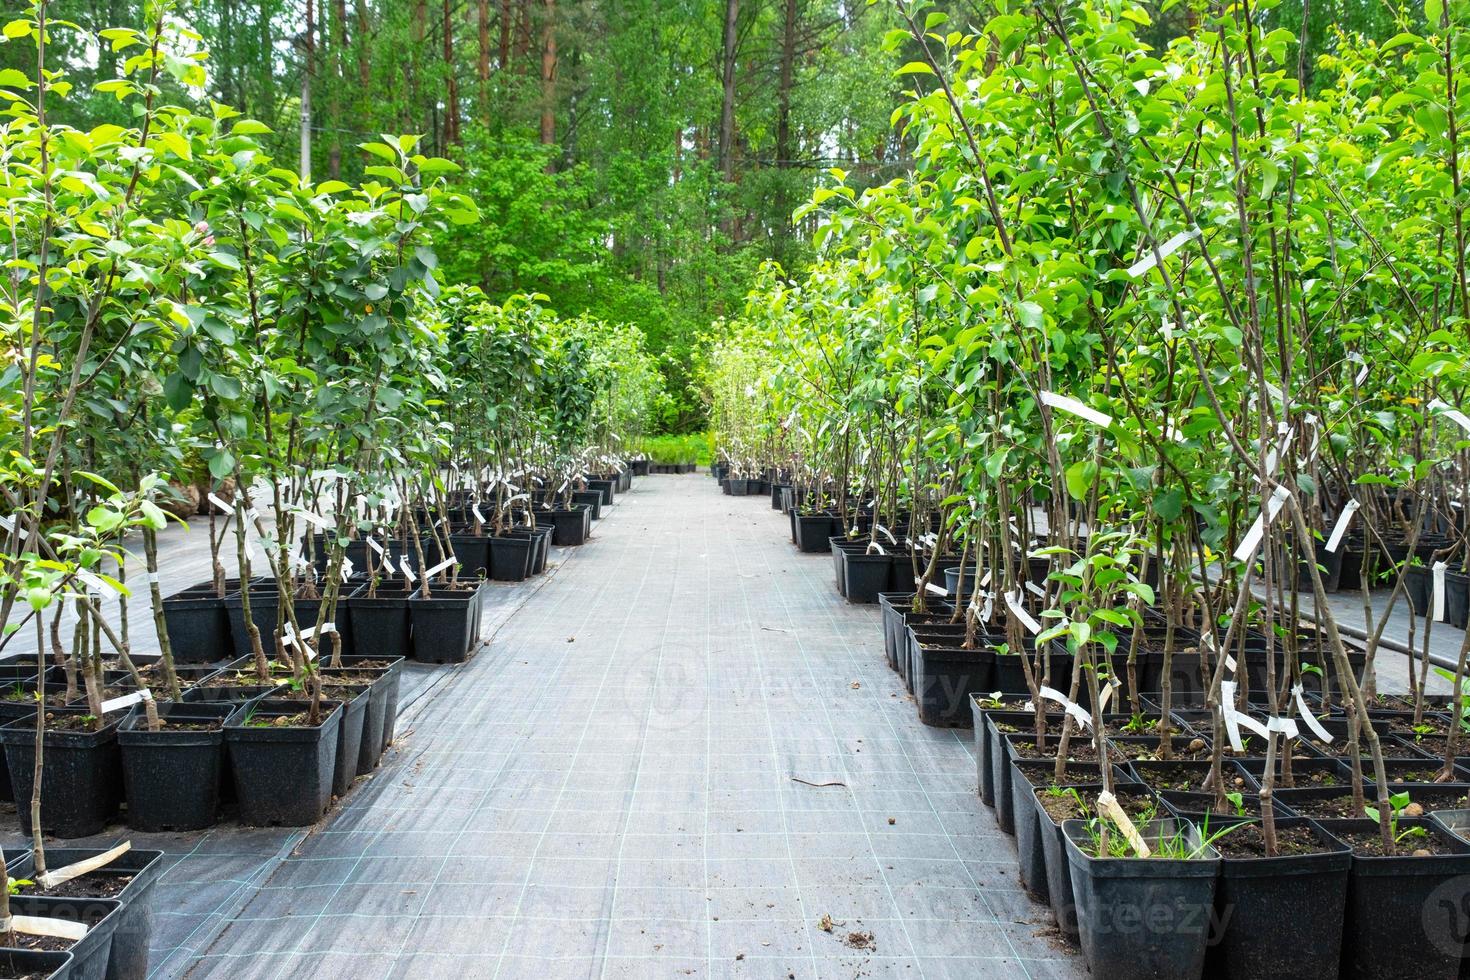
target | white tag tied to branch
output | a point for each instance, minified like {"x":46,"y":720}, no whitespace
{"x":7,"y":523}
{"x":1072,"y":406}
{"x":408,"y":572}
{"x":1035,"y":589}
{"x":126,"y":701}
{"x":1436,"y":595}
{"x":38,"y":925}
{"x":1252,"y":540}
{"x":222,"y":504}
{"x":1340,"y":528}
{"x":53,"y":878}
{"x":1068,"y":705}
{"x":1453,"y":414}
{"x":1274,"y":457}
{"x":1234,"y":719}
{"x":475,"y":509}
{"x":1165,"y":250}
{"x":315,"y":520}
{"x":1309,"y":719}
{"x":1013,"y":603}
{"x":440,"y":567}
{"x":1285,"y":726}
{"x":886,"y":533}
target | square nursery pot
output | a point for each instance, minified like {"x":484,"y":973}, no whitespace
{"x":385,"y":675}
{"x":591,"y":499}
{"x":607,"y":488}
{"x":382,"y":621}
{"x":445,"y":626}
{"x":813,"y":532}
{"x":91,"y":953}
{"x":283,"y":774}
{"x":34,"y":963}
{"x":866,"y":576}
{"x":946,"y":677}
{"x":1289,"y":906}
{"x":265,"y":601}
{"x":197,"y":624}
{"x":1406,"y":916}
{"x":473,"y":552}
{"x":1143,"y":918}
{"x":510,"y":557}
{"x":171,"y":777}
{"x":127,"y":880}
{"x":570,"y":527}
{"x":82,"y":785}
{"x":352,"y":734}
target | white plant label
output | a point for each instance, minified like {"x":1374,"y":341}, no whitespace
{"x":475,"y":508}
{"x":1436,"y":599}
{"x":1309,"y":719}
{"x":875,"y":546}
{"x":1340,"y":528}
{"x":373,"y":544}
{"x":1453,"y":414}
{"x":7,"y":523}
{"x":316,"y":521}
{"x":1072,"y":406}
{"x":53,"y":878}
{"x":222,"y":504}
{"x":1035,"y":589}
{"x":1013,"y":603}
{"x":1235,"y":720}
{"x":408,"y":574}
{"x":126,"y":701}
{"x":1068,"y":705}
{"x":440,"y":567}
{"x":36,"y":925}
{"x":1252,"y":540}
{"x":1145,"y":264}
{"x":1285,"y":726}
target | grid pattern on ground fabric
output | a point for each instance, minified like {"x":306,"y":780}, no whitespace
{"x":607,"y":791}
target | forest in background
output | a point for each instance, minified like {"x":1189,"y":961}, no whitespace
{"x":636,"y":160}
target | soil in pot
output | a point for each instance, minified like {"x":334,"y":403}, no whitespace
{"x":1188,"y":776}
{"x":1337,"y":803}
{"x":36,"y":964}
{"x":128,"y":880}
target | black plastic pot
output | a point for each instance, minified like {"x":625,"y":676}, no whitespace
{"x":1456,"y":599}
{"x":197,"y":624}
{"x":510,"y":558}
{"x":381,"y":622}
{"x":1406,"y":916}
{"x":592,"y":499}
{"x":89,"y":954}
{"x":473,"y":552}
{"x":83,"y":774}
{"x":570,"y":527}
{"x":128,"y":956}
{"x":445,"y":625}
{"x":866,"y":576}
{"x":171,"y":777}
{"x":33,"y":963}
{"x":813,"y":532}
{"x":960,"y":577}
{"x":351,"y":735}
{"x":1142,"y":918}
{"x":944,"y":679}
{"x":283,"y":775}
{"x":608,"y":489}
{"x":1281,"y":915}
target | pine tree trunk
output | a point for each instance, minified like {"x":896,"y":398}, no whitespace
{"x":727,"y":104}
{"x":548,"y":78}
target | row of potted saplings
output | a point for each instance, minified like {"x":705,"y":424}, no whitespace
{"x":276,"y":736}
{"x":1168,"y":874}
{"x":389,"y":597}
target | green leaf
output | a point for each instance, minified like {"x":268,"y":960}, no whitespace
{"x":915,"y":68}
{"x":1080,"y":477}
{"x":11,"y":78}
{"x":1170,"y":504}
{"x":222,"y":464}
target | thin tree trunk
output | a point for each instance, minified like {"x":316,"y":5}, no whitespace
{"x":451,"y":97}
{"x":727,"y":104}
{"x":484,"y":66}
{"x":548,"y":78}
